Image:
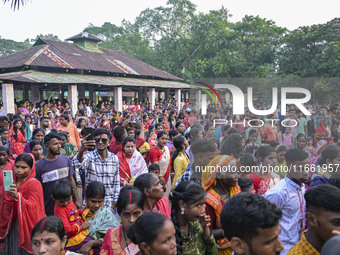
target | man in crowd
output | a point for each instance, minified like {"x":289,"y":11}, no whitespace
{"x":52,"y":168}
{"x":203,"y":152}
{"x":71,"y":129}
{"x":323,"y":217}
{"x":45,"y":124}
{"x":100,"y":164}
{"x":322,"y":117}
{"x":120,"y":132}
{"x":251,"y":224}
{"x":288,"y":196}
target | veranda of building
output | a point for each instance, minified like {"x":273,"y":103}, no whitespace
{"x":85,"y":71}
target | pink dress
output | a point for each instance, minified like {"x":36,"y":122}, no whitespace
{"x":287,"y":140}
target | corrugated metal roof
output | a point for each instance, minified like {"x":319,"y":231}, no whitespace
{"x":58,"y":78}
{"x":62,"y":55}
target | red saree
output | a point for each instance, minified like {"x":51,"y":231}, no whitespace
{"x":29,"y":209}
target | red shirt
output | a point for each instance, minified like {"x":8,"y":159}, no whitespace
{"x":70,"y":217}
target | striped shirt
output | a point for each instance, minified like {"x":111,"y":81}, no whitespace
{"x":106,"y":172}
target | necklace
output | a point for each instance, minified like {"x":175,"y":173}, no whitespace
{"x":125,"y":240}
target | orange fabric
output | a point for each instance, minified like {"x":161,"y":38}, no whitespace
{"x":74,"y":135}
{"x":214,"y":199}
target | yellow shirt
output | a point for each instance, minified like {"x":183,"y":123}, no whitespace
{"x":180,"y":164}
{"x":303,"y":247}
{"x":145,"y":147}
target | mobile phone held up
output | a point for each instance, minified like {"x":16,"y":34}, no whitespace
{"x":86,"y":131}
{"x":8,"y":179}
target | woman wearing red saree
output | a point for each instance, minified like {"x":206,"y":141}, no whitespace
{"x":323,"y":136}
{"x":160,"y":155}
{"x":265,"y":179}
{"x":17,"y":137}
{"x":129,"y":208}
{"x":131,"y":162}
{"x":21,"y":207}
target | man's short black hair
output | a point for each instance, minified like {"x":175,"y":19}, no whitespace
{"x":202,"y":146}
{"x":119,"y":133}
{"x":50,"y":136}
{"x":243,"y":214}
{"x":102,"y":131}
{"x":64,"y":116}
{"x":325,"y":196}
{"x":296,"y":155}
{"x":44,"y":118}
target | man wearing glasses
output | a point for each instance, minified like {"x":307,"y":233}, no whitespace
{"x":100,"y":164}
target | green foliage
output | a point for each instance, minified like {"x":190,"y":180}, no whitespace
{"x":9,"y":46}
{"x":182,"y":41}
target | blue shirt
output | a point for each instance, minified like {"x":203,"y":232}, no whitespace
{"x":288,"y":196}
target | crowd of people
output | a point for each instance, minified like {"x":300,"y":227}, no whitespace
{"x":167,"y":180}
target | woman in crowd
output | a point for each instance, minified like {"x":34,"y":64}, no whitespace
{"x":81,"y":124}
{"x":104,"y":123}
{"x":265,"y":179}
{"x":154,"y":234}
{"x":100,"y":218}
{"x":55,"y":122}
{"x":301,"y":143}
{"x":67,"y":148}
{"x":129,"y":208}
{"x":48,"y":237}
{"x":323,"y":136}
{"x":153,"y":135}
{"x":172,"y":120}
{"x":17,"y":137}
{"x":180,"y":159}
{"x":180,"y":127}
{"x":21,"y":207}
{"x":188,"y":205}
{"x":160,"y":155}
{"x":310,"y":146}
{"x":172,"y":135}
{"x":153,"y":194}
{"x":36,"y":149}
{"x":5,"y":163}
{"x":220,"y":186}
{"x":38,"y":134}
{"x":131,"y":162}
{"x":328,"y":163}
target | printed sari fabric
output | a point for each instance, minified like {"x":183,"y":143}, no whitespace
{"x":111,"y":243}
{"x":163,"y":159}
{"x":100,"y":222}
{"x":130,"y":169}
{"x":214,"y":199}
{"x":17,"y":144}
{"x":69,"y":150}
{"x":323,"y":131}
{"x":263,"y":183}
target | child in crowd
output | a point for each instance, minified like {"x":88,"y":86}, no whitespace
{"x":188,"y":205}
{"x":154,"y":168}
{"x":251,"y":145}
{"x":287,"y":137}
{"x":310,"y":146}
{"x":75,"y":226}
{"x":4,"y":137}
